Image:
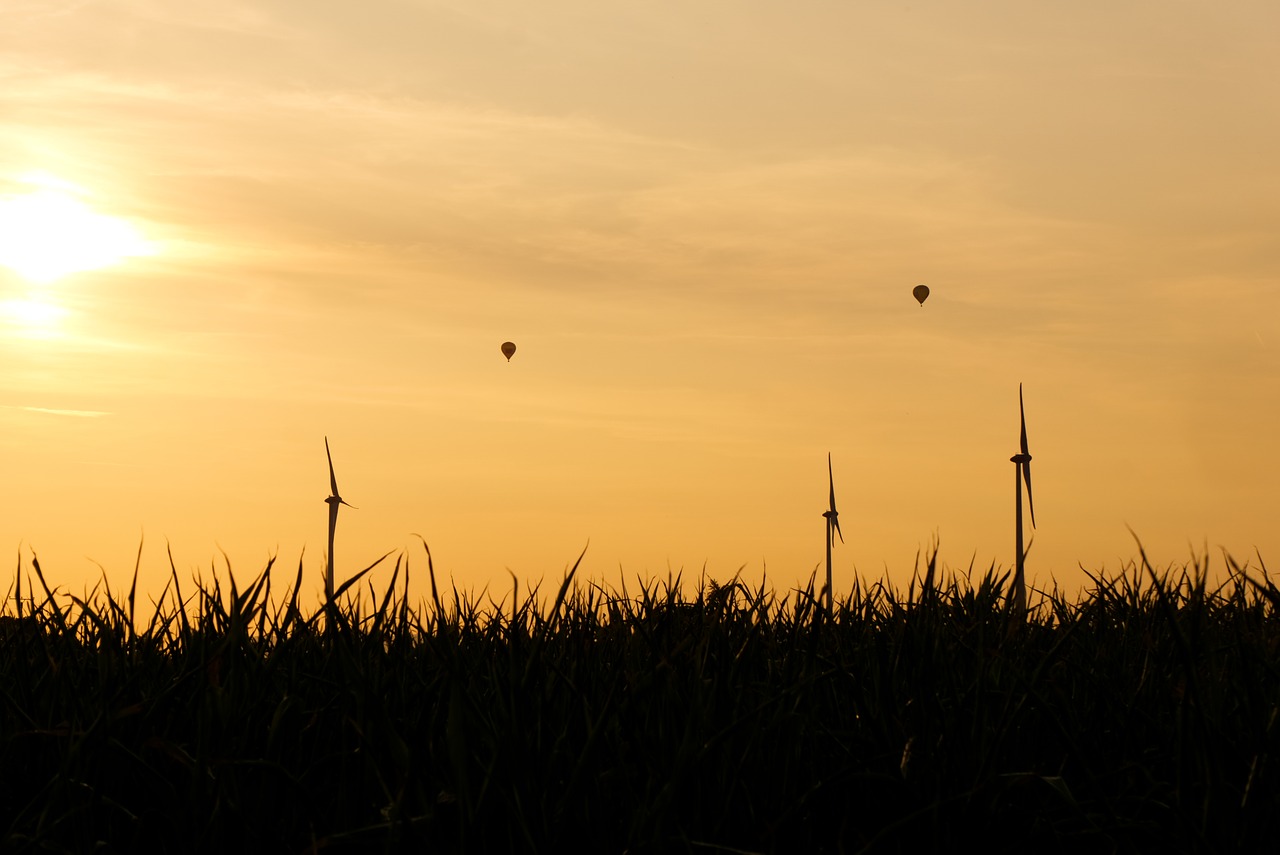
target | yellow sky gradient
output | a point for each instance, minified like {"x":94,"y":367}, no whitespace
{"x":701,"y":223}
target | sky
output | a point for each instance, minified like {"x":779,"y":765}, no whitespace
{"x":229,"y":230}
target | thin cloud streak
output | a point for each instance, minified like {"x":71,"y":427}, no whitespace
{"x":83,"y":414}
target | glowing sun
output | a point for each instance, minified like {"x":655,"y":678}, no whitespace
{"x":49,"y":232}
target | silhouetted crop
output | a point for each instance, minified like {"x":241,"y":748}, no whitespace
{"x":1139,"y":716}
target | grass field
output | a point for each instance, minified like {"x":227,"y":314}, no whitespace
{"x":1138,"y":716}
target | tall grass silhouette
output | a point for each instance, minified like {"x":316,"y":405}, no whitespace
{"x":1138,"y":716}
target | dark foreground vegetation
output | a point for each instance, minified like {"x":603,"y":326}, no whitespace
{"x":1140,"y":716}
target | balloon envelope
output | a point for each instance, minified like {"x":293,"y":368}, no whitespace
{"x":508,"y":349}
{"x":921,"y":293}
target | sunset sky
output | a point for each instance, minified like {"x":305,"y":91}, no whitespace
{"x":230,"y":229}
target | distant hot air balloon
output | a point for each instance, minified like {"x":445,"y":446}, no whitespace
{"x":508,"y":349}
{"x":921,"y":293}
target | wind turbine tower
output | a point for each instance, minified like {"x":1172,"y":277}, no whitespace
{"x":1021,"y":472}
{"x":332,"y":501}
{"x":833,"y":527}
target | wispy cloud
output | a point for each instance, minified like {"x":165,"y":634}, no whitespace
{"x":49,"y":411}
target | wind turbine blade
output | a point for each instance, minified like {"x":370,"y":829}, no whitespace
{"x":833,"y":518}
{"x":333,"y":481}
{"x":1026,"y":476}
{"x":832,"y":482}
{"x":1025,"y":465}
{"x":334,"y":499}
{"x":1023,"y":414}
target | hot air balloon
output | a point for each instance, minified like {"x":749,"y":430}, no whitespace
{"x":508,"y":349}
{"x":921,"y":293}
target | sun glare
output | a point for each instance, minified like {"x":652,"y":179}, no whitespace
{"x":49,"y":232}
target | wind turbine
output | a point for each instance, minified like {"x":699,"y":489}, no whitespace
{"x":833,"y":525}
{"x":332,"y":501}
{"x":1021,"y":471}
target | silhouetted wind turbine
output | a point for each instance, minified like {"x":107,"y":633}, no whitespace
{"x":833,"y":525}
{"x":332,"y":501}
{"x":1021,"y":472}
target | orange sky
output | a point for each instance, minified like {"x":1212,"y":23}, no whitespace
{"x":701,"y":223}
